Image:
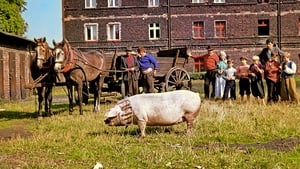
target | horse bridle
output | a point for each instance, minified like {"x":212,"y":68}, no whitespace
{"x":46,"y":55}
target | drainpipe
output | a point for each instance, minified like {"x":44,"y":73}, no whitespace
{"x":169,"y":25}
{"x":279,"y":23}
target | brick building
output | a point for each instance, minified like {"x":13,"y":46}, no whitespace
{"x":239,"y":27}
{"x":14,"y":66}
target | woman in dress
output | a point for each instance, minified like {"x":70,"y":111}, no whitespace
{"x":220,"y":81}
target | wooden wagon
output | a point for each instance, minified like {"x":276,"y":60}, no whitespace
{"x":170,"y":76}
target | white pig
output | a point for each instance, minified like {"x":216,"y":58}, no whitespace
{"x":156,"y":109}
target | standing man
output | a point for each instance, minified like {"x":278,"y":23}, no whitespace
{"x":265,"y":54}
{"x":210,"y":63}
{"x":148,"y":67}
{"x":130,"y":65}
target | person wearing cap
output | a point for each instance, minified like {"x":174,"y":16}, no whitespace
{"x":148,"y":67}
{"x":210,"y":63}
{"x":230,"y":76}
{"x":266,"y":53}
{"x":130,"y":65}
{"x":288,"y":90}
{"x":256,"y":76}
{"x":272,"y":76}
{"x":242,"y":73}
{"x":220,"y":81}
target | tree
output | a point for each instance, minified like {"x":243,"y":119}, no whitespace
{"x":11,"y":20}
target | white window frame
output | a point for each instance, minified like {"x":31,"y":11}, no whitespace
{"x":111,"y":31}
{"x":153,"y":3}
{"x":154,"y":28}
{"x":92,"y":4}
{"x":114,"y":3}
{"x":198,"y":1}
{"x":93,"y":28}
{"x":219,"y":1}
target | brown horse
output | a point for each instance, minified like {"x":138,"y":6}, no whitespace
{"x":80,"y":68}
{"x":42,"y":72}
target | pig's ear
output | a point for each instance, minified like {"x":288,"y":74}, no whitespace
{"x":113,"y":112}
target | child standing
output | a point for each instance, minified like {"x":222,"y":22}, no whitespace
{"x":229,"y":76}
{"x":288,"y":90}
{"x":256,"y":73}
{"x":272,"y":72}
{"x":220,"y":82}
{"x":243,"y":75}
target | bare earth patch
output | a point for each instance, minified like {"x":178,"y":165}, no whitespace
{"x":16,"y":131}
{"x":282,"y":145}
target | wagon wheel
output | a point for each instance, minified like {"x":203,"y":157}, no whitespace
{"x":177,"y":78}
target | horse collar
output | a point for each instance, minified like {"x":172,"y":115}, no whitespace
{"x":70,"y":59}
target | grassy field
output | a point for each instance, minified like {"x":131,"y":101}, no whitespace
{"x":242,"y":136}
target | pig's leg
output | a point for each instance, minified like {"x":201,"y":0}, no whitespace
{"x":142,"y":127}
{"x":189,"y":124}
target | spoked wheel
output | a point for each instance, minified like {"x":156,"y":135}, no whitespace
{"x":178,"y":78}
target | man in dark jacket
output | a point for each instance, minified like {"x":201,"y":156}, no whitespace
{"x":265,"y":54}
{"x":130,"y":65}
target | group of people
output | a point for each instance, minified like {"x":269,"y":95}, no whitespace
{"x":141,"y":68}
{"x":272,"y":64}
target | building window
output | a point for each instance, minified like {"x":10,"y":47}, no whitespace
{"x":114,"y":31}
{"x":198,"y":1}
{"x":219,"y":1}
{"x":114,"y":3}
{"x":153,"y":3}
{"x":154,"y":31}
{"x":90,"y":3}
{"x":198,"y":30}
{"x":262,"y":1}
{"x":263,"y":27}
{"x":220,"y":29}
{"x":91,"y":32}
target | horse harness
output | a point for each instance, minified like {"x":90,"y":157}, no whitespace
{"x":126,"y":115}
{"x":46,"y":47}
{"x":70,"y":62}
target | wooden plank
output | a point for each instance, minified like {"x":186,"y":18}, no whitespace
{"x":23,"y":67}
{"x":12,"y":76}
{"x":183,"y":53}
{"x":1,"y":75}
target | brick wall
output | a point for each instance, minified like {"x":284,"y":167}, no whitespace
{"x":241,"y":17}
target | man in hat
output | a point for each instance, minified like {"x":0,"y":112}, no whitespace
{"x":130,"y":65}
{"x":210,"y":63}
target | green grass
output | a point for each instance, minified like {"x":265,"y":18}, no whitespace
{"x":79,"y":142}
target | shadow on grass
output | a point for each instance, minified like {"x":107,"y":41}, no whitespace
{"x":16,"y":115}
{"x":57,"y":109}
{"x":134,"y":131}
